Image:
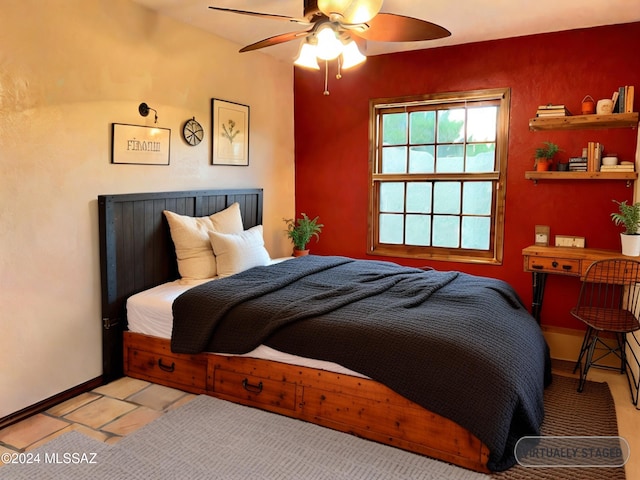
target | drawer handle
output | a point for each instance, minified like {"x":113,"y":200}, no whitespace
{"x":166,"y":368}
{"x":554,"y":264}
{"x":566,"y":267}
{"x":251,"y":388}
{"x":537,"y":267}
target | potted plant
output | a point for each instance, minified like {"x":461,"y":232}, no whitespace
{"x":300,"y":232}
{"x":544,"y":156}
{"x":629,"y":217}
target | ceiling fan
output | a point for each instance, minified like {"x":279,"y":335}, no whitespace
{"x":339,"y":28}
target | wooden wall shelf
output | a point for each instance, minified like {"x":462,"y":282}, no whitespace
{"x":579,"y":122}
{"x":536,"y":176}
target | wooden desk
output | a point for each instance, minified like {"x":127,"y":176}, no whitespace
{"x":570,"y":261}
{"x":574,"y":262}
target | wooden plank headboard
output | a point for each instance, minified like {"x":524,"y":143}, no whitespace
{"x":136,"y":251}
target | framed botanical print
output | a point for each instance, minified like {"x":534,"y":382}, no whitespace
{"x":229,"y":133}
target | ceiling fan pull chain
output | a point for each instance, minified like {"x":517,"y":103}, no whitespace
{"x":326,"y":77}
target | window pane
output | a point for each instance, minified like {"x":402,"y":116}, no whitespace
{"x":423,"y":127}
{"x":450,"y":159}
{"x":481,"y":157}
{"x":421,"y":159}
{"x":481,"y":124}
{"x":394,"y":160}
{"x":476,"y":199}
{"x":392,"y":197}
{"x":446,"y":197}
{"x":451,"y":126}
{"x":391,"y":229}
{"x":476,"y":232}
{"x":446,"y":231}
{"x":418,"y":230}
{"x":394,"y":129}
{"x":419,"y":197}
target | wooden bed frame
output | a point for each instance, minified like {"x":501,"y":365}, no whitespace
{"x":136,"y":253}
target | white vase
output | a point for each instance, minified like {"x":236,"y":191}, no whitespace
{"x":630,"y":245}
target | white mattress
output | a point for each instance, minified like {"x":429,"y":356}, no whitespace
{"x":150,"y":313}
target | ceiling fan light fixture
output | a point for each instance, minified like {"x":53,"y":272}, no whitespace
{"x":328,"y":46}
{"x":307,"y":57}
{"x":351,"y":55}
{"x":350,"y":11}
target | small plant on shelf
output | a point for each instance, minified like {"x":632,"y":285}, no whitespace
{"x":544,"y":156}
{"x":301,"y":230}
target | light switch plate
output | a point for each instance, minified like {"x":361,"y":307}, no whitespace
{"x":570,"y":241}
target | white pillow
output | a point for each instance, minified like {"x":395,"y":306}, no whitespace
{"x":193,"y":248}
{"x":228,"y":220}
{"x":240,"y":251}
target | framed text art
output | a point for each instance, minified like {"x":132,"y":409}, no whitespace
{"x":229,"y":133}
{"x":139,"y":145}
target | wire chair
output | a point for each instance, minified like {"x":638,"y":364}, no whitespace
{"x":609,"y":304}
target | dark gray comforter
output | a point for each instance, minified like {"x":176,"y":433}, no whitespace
{"x":460,"y":345}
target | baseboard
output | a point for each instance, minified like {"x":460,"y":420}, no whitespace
{"x":50,"y":402}
{"x":565,"y":344}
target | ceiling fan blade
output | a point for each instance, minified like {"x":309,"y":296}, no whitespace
{"x":389,"y":27}
{"x":302,"y":21}
{"x":268,"y":42}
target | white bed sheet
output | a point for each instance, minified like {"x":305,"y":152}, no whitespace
{"x":150,"y":313}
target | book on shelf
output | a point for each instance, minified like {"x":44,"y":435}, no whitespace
{"x":577,"y":164}
{"x":551,"y":110}
{"x":617,"y":168}
{"x":594,"y":156}
{"x":629,"y":99}
{"x":623,"y":101}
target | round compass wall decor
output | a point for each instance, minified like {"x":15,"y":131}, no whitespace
{"x":192,"y":132}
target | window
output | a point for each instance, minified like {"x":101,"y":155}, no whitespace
{"x":437,"y":169}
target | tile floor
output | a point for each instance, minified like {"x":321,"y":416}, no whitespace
{"x":106,"y":413}
{"x":112,"y":411}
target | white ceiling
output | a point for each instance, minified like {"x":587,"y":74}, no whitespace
{"x":467,"y":20}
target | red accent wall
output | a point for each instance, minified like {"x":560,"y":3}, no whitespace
{"x":331,"y":135}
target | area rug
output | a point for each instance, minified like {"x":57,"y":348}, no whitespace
{"x":209,"y":438}
{"x":569,"y":413}
{"x":213,"y":439}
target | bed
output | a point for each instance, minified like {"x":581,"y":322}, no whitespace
{"x":276,"y":372}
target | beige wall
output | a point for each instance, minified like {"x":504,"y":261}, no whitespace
{"x":68,"y":69}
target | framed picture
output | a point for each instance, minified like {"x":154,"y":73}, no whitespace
{"x":229,"y":133}
{"x":139,"y":145}
{"x":542,"y":235}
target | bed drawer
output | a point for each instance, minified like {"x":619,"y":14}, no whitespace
{"x":255,"y":390}
{"x":180,"y":371}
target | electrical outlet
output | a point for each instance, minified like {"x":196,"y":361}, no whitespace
{"x":569,"y":241}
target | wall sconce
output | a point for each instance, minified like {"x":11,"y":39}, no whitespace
{"x":143,"y":108}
